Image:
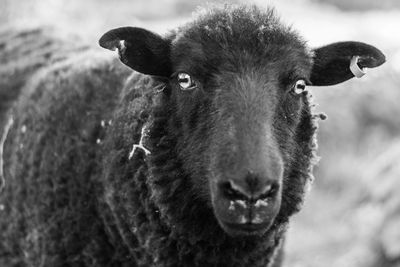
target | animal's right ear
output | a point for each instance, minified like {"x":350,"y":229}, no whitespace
{"x":140,"y":49}
{"x":338,"y":62}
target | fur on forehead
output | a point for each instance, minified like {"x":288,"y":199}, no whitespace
{"x":233,"y":34}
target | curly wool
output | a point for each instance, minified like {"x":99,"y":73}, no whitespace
{"x":51,"y":161}
{"x":22,"y":53}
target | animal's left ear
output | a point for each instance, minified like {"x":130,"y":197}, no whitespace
{"x":140,"y":49}
{"x":338,"y":62}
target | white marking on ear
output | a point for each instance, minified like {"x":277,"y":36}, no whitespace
{"x":355,"y":69}
{"x":2,"y":142}
{"x":121,"y":47}
{"x":140,"y":145}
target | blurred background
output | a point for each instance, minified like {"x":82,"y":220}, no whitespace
{"x":351,"y":217}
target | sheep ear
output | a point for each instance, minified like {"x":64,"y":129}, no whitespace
{"x":140,"y":49}
{"x":332,"y":62}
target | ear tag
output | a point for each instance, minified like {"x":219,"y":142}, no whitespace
{"x":121,"y":46}
{"x":355,"y":69}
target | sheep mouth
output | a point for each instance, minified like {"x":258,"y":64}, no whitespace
{"x":240,"y":218}
{"x":243,"y":216}
{"x":247,"y":229}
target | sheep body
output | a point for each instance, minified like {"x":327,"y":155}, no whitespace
{"x":56,"y":125}
{"x":58,"y":210}
{"x":22,"y":53}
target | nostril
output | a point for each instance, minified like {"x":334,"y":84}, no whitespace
{"x":231,"y":191}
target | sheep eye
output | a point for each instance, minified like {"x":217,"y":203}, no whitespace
{"x":185,"y":81}
{"x":299,"y":87}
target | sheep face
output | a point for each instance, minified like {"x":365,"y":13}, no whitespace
{"x":235,"y":84}
{"x":238,"y":122}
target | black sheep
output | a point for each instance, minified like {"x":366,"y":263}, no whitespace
{"x":227,"y":145}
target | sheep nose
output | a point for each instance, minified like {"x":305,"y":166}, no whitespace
{"x":251,"y":188}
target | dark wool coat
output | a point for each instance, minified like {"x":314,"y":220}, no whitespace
{"x":74,"y":196}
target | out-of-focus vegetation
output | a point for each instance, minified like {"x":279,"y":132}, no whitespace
{"x":351,"y":217}
{"x":362,"y":4}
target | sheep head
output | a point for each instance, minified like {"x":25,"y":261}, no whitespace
{"x":236,"y":84}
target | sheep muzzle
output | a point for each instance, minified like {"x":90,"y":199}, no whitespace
{"x":247,"y":179}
